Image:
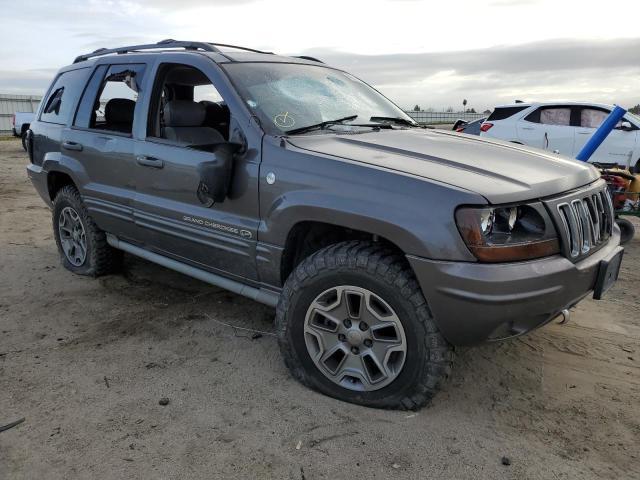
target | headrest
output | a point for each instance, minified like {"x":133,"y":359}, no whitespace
{"x":215,"y":113}
{"x":119,"y":110}
{"x":183,"y":113}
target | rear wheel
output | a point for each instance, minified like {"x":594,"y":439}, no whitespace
{"x":82,"y":245}
{"x":353,"y":324}
{"x":23,"y":139}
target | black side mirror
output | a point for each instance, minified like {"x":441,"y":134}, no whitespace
{"x":626,"y":126}
{"x":215,"y":175}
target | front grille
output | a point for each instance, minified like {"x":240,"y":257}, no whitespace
{"x":586,"y":222}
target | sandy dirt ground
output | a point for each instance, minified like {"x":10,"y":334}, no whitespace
{"x":86,"y":362}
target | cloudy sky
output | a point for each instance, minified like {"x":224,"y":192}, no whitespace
{"x":433,"y":53}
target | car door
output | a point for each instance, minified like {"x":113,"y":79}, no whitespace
{"x":175,"y":220}
{"x":619,"y":145}
{"x":548,"y":128}
{"x":101,"y":141}
{"x":56,"y":112}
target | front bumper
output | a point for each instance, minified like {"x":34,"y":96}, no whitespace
{"x":478,"y":302}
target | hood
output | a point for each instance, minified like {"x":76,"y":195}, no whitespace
{"x":499,"y":171}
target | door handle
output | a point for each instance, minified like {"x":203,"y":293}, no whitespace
{"x":72,"y":146}
{"x":149,"y":161}
{"x":584,"y":133}
{"x":528,"y":128}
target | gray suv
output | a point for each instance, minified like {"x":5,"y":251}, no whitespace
{"x":381,"y":244}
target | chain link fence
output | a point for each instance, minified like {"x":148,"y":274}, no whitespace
{"x":433,"y":118}
{"x":10,"y":104}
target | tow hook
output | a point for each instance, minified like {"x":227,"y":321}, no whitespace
{"x":565,"y":316}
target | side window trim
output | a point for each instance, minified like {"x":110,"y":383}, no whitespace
{"x":89,"y":85}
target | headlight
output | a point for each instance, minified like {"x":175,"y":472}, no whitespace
{"x":505,"y":234}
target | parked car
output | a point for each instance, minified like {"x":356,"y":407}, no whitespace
{"x":470,"y":128}
{"x":565,"y":128}
{"x":20,"y":124}
{"x":381,"y":244}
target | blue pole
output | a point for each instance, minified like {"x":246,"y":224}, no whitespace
{"x":601,"y":133}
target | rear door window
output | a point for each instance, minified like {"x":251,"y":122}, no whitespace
{"x":110,"y":98}
{"x":555,"y":116}
{"x":60,"y":103}
{"x":551,"y":116}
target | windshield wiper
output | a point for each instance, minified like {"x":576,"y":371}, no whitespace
{"x":320,"y":126}
{"x":400,"y":120}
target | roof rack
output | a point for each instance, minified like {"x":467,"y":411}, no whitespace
{"x":168,"y":43}
{"x":239,"y":48}
{"x":307,"y":57}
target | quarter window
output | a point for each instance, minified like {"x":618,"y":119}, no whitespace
{"x":65,"y":92}
{"x":501,"y":113}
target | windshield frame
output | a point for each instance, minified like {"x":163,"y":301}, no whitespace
{"x":272,"y":130}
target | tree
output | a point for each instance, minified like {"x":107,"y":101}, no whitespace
{"x":417,"y":108}
{"x":464,"y":104}
{"x":449,"y":110}
{"x":487,"y":111}
{"x":635,"y":109}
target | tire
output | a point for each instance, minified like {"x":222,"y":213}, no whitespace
{"x":637,"y":167}
{"x":23,"y":139}
{"x":99,"y":258}
{"x":627,"y":230}
{"x":386,"y":275}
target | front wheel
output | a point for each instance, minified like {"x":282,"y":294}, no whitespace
{"x":353,"y":324}
{"x":627,"y":230}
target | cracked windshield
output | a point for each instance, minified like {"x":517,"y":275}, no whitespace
{"x":291,"y":97}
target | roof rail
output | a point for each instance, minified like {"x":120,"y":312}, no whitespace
{"x":168,"y":43}
{"x":239,"y":48}
{"x":307,"y":57}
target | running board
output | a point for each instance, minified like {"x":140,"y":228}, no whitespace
{"x":259,"y":295}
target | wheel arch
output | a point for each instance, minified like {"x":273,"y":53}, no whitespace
{"x":306,"y":237}
{"x":56,"y":180}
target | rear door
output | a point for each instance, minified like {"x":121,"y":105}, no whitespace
{"x":175,"y":220}
{"x":102,"y":142}
{"x":548,"y":128}
{"x":619,"y":145}
{"x":56,"y":112}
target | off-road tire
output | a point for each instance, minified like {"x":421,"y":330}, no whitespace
{"x":375,"y":267}
{"x":101,"y":259}
{"x":627,"y":230}
{"x":23,"y":140}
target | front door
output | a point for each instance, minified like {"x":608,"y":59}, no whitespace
{"x":619,"y":145}
{"x":187,"y":119}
